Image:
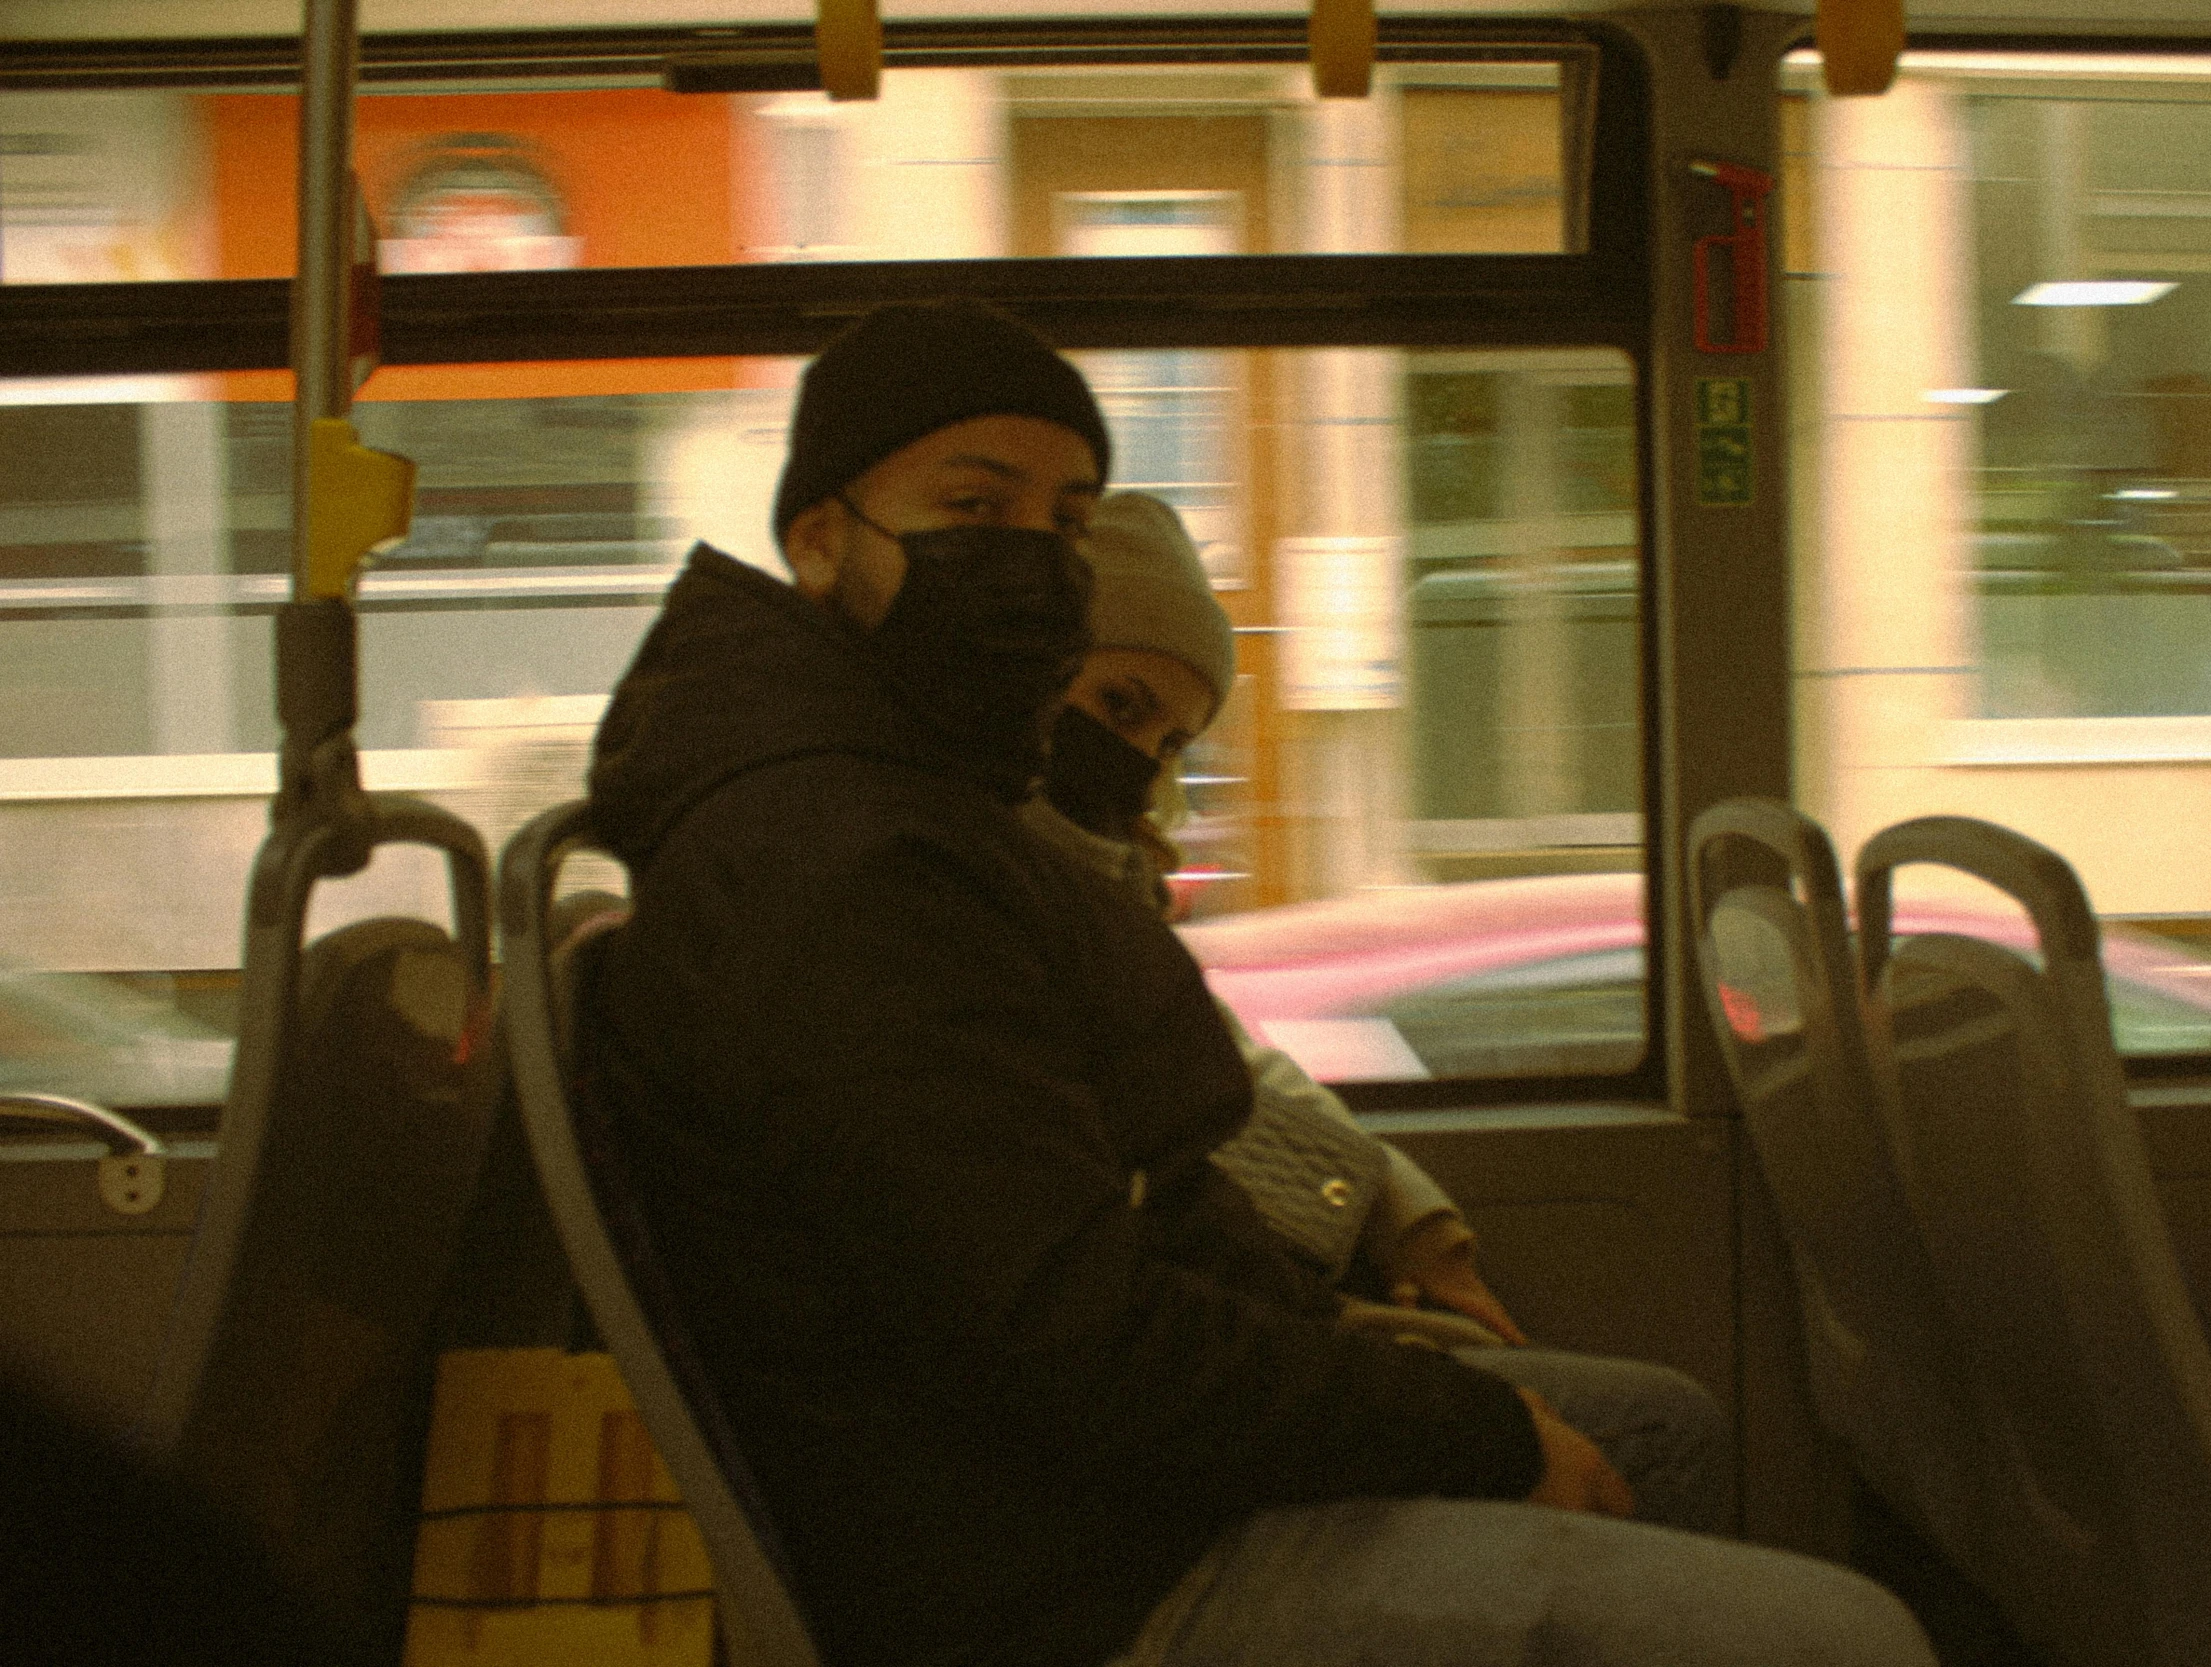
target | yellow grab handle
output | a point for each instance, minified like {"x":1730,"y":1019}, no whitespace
{"x":848,"y":40}
{"x":1859,"y":41}
{"x":357,"y":500}
{"x":1340,"y":37}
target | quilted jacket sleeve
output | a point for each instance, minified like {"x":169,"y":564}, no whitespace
{"x":1391,"y":1194}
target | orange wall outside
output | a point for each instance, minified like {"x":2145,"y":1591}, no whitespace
{"x":537,"y":379}
{"x":648,"y":178}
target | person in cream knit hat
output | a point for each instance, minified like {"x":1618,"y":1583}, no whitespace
{"x":1151,"y":591}
{"x":1162,"y":664}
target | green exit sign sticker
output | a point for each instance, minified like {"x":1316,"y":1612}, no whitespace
{"x":1723,"y":441}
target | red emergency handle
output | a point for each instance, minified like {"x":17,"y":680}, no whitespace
{"x":1745,"y":243}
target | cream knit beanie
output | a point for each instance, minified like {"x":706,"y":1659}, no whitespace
{"x":1152,"y":591}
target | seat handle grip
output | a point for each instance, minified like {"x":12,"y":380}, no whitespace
{"x":123,"y":1137}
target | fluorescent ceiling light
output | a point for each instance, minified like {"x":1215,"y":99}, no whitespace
{"x":1964,"y":396}
{"x":2102,"y":292}
{"x":2145,"y":494}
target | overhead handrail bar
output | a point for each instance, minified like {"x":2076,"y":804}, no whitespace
{"x":1341,"y":40}
{"x":848,"y":39}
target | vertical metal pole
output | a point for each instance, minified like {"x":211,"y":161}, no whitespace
{"x":323,"y":377}
{"x":317,"y":674}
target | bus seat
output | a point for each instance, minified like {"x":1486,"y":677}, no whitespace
{"x":512,"y":1288}
{"x":612,"y":1256}
{"x":294,"y":1379}
{"x":1773,"y":955}
{"x":2026,"y":1168}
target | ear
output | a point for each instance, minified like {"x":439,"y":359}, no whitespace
{"x":814,"y":546}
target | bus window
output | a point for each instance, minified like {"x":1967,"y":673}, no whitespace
{"x":1432,"y":763}
{"x":105,"y":186}
{"x":2002,"y":473}
{"x":1427,"y":783}
{"x":149,"y":547}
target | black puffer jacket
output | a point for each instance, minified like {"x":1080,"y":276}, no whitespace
{"x":888,"y":1068}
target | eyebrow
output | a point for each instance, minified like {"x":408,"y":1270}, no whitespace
{"x":1009,"y":472}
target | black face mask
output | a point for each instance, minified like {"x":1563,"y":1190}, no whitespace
{"x":1095,"y":779}
{"x":989,"y":625}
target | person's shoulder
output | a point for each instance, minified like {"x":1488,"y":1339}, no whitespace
{"x":847,"y":796}
{"x":839,"y":821}
{"x":1121,"y":869}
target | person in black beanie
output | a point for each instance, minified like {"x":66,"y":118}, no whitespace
{"x":904,"y":372}
{"x":919,"y":1110}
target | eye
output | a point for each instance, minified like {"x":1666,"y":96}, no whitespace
{"x":1127,"y":707}
{"x":1072,"y":516}
{"x":975,"y":506}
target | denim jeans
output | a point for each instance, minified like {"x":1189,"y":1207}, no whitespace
{"x":1659,"y":1427}
{"x":1475,"y":1583}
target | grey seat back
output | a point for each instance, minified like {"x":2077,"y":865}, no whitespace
{"x":611,"y":1255}
{"x":293,"y":1382}
{"x":2026,"y":1168}
{"x":1773,"y":956}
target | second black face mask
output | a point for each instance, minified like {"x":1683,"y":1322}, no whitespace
{"x":1095,"y":779}
{"x":986,"y":629}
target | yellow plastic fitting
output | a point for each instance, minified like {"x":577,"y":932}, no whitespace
{"x":1859,"y":41}
{"x":358,"y":500}
{"x":1340,"y":37}
{"x":848,"y":40}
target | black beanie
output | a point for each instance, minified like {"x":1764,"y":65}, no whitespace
{"x":911,"y":368}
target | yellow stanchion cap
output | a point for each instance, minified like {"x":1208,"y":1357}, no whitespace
{"x":848,"y":40}
{"x":358,"y":500}
{"x":1340,"y":37}
{"x":1859,"y":41}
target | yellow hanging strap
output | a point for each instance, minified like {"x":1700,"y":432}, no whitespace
{"x":1859,"y":41}
{"x":1340,"y":37}
{"x":358,"y":501}
{"x":848,"y":40}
